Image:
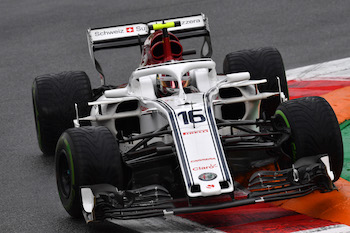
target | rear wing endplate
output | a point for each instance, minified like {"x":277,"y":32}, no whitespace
{"x":135,"y":35}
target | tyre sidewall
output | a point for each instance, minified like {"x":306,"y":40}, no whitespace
{"x":65,"y":148}
{"x":36,"y":119}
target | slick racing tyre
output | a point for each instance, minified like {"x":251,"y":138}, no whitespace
{"x":262,"y":63}
{"x":314,"y":130}
{"x":54,"y":96}
{"x":86,"y":156}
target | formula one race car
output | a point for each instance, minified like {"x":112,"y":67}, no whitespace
{"x":179,"y":137}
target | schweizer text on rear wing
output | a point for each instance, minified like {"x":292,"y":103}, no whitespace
{"x":135,"y":34}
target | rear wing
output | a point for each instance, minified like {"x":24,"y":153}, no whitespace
{"x":135,"y":35}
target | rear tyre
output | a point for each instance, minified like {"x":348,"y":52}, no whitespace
{"x":86,"y":156}
{"x":315,"y":130}
{"x":262,"y":63}
{"x":54,"y":96}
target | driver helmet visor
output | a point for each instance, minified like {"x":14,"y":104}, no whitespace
{"x":174,"y":84}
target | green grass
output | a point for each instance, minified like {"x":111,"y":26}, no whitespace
{"x":345,"y":131}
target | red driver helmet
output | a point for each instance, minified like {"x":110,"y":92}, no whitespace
{"x":167,"y":87}
{"x":153,"y":51}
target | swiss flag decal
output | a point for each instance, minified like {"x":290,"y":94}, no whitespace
{"x":130,"y":29}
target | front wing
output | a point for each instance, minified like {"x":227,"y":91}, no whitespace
{"x":101,"y":202}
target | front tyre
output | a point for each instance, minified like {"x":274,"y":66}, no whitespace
{"x":314,"y":130}
{"x":86,"y":156}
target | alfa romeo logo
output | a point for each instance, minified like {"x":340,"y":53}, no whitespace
{"x":208,"y":176}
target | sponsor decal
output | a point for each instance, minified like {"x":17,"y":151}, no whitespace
{"x":210,"y":186}
{"x":142,"y":28}
{"x":208,"y":176}
{"x":109,"y":32}
{"x":191,"y":21}
{"x":129,"y":29}
{"x":200,"y":160}
{"x":211,"y":166}
{"x":196,"y":132}
{"x":118,"y":32}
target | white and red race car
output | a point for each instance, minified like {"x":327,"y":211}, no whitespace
{"x":179,"y":133}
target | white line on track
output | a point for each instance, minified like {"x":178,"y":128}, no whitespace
{"x":332,"y":70}
{"x":341,"y":228}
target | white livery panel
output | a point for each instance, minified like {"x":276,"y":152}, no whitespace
{"x":198,"y":147}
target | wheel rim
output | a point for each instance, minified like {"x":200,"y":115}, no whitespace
{"x":289,"y":147}
{"x":64,"y":174}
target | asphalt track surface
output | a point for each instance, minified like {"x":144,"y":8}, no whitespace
{"x":41,"y":36}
